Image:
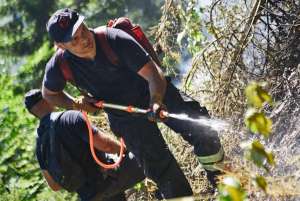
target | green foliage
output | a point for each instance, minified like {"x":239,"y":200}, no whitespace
{"x":258,"y":123}
{"x":31,"y":73}
{"x":260,"y":181}
{"x":256,"y":95}
{"x":16,"y":143}
{"x":191,"y":30}
{"x":230,"y":190}
{"x":23,"y":27}
{"x":190,"y":36}
{"x":256,"y":153}
{"x":139,"y":186}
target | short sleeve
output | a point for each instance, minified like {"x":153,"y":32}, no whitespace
{"x":131,"y":53}
{"x":53,"y":77}
{"x":77,"y":125}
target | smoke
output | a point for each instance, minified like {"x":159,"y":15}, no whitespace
{"x":183,"y":68}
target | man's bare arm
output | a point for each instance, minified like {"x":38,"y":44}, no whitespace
{"x":51,"y":183}
{"x":60,"y":99}
{"x":157,"y":82}
{"x":64,"y":100}
{"x":103,"y":142}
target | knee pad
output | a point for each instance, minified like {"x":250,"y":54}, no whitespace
{"x":208,"y":162}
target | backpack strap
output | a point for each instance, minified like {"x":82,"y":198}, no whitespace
{"x":137,"y":33}
{"x":67,"y":72}
{"x":101,"y":34}
{"x":45,"y":137}
{"x":64,"y":67}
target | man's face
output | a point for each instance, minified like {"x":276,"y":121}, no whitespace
{"x":82,"y":44}
{"x":41,"y":107}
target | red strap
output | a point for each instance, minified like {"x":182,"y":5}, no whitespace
{"x":92,"y":149}
{"x":64,"y":66}
{"x":101,"y":33}
{"x":137,"y":33}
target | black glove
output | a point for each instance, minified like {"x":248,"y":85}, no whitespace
{"x":157,"y":112}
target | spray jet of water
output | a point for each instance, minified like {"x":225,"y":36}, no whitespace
{"x":215,"y":124}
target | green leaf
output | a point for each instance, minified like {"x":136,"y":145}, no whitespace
{"x":258,"y":123}
{"x":256,"y":95}
{"x":257,"y":153}
{"x":230,"y":190}
{"x":260,"y":181}
{"x":139,"y":186}
{"x":24,"y":183}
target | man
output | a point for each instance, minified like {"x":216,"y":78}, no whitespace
{"x":136,"y":80}
{"x":71,"y":129}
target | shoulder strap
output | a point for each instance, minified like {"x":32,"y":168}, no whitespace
{"x":101,"y":34}
{"x":54,"y":116}
{"x":45,"y":138}
{"x":67,"y":72}
{"x":64,"y":66}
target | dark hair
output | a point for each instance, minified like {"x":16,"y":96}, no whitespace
{"x":32,"y":97}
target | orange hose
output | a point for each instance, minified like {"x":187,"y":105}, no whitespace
{"x":91,"y":140}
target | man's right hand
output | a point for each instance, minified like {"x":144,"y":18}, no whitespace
{"x":63,"y":99}
{"x":85,"y":103}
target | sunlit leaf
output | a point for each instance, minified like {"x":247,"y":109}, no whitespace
{"x":257,"y":153}
{"x":270,"y":158}
{"x":258,"y":123}
{"x":139,"y":186}
{"x":260,"y":181}
{"x":24,"y":183}
{"x":256,"y":95}
{"x":230,"y":190}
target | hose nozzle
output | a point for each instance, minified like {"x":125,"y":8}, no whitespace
{"x":163,"y":114}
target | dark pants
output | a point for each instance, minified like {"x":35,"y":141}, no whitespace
{"x":144,"y":139}
{"x":117,"y":181}
{"x":204,"y":139}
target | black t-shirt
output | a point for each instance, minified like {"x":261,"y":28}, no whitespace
{"x":119,"y":84}
{"x":72,"y":129}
